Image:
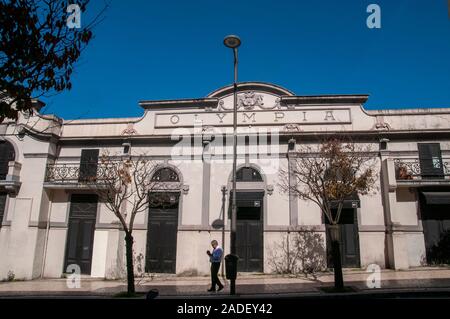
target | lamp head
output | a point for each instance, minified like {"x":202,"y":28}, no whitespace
{"x":232,"y":41}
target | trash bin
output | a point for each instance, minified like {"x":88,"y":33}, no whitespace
{"x":231,"y":266}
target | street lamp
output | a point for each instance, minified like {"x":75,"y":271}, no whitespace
{"x":233,"y":42}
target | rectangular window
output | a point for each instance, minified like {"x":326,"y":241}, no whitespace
{"x":88,"y":165}
{"x":2,"y":207}
{"x":430,"y":160}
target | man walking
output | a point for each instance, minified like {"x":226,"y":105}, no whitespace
{"x":215,"y":258}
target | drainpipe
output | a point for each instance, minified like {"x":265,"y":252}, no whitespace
{"x":291,"y":148}
{"x":47,"y":231}
{"x":385,"y":200}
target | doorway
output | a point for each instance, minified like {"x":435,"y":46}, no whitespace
{"x":434,"y":211}
{"x":349,"y":239}
{"x":249,"y":231}
{"x":80,"y":236}
{"x":162,"y":233}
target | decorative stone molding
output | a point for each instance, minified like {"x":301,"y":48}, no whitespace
{"x":221,"y":104}
{"x":207,"y":128}
{"x":200,"y":228}
{"x":269,"y":189}
{"x":11,"y":187}
{"x":207,"y":134}
{"x":381,"y":125}
{"x":248,"y":100}
{"x":292,"y":127}
{"x":185,"y":189}
{"x":397,"y":227}
{"x":277,"y":103}
{"x":291,"y":106}
{"x":40,"y":155}
{"x":11,"y":184}
{"x":210,"y":108}
{"x":130,"y":130}
{"x":296,"y":228}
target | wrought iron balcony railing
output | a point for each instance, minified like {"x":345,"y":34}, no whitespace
{"x":75,"y":172}
{"x":414,"y":168}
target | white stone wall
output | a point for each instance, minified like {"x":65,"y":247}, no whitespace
{"x":371,"y":248}
{"x":22,"y":236}
{"x":191,"y":250}
{"x":404,"y":209}
{"x":56,"y":247}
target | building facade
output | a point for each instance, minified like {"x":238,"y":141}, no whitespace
{"x":50,"y":221}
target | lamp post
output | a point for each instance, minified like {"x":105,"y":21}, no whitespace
{"x":224,"y":193}
{"x":233,"y":42}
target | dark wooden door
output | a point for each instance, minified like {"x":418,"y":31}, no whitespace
{"x":162,"y":237}
{"x":80,"y":237}
{"x":349,"y":239}
{"x":436,"y":225}
{"x":430,"y":160}
{"x":249,"y":232}
{"x":88,"y":165}
{"x":249,"y":245}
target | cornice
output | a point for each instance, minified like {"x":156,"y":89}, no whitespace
{"x":324,"y":99}
{"x":181,"y":103}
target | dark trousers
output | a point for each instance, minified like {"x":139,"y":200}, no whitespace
{"x":214,"y":278}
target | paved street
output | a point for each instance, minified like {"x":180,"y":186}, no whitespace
{"x":248,"y":285}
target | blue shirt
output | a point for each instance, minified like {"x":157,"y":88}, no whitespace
{"x":216,"y":256}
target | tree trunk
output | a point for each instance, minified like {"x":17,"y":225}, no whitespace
{"x":130,"y":266}
{"x":336,"y":254}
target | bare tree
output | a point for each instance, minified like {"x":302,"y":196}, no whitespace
{"x":328,"y":173}
{"x":38,"y":50}
{"x":124,"y":185}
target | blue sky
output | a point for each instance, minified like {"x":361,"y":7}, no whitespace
{"x":145,"y":50}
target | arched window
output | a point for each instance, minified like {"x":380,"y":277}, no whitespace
{"x":7,"y":154}
{"x":165,"y":174}
{"x":248,"y":174}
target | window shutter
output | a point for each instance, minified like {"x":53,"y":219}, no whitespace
{"x":88,"y":165}
{"x":430,"y":160}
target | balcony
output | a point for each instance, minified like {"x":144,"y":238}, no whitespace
{"x":410,"y":171}
{"x":74,"y":175}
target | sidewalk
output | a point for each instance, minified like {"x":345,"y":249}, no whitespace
{"x":247,"y":284}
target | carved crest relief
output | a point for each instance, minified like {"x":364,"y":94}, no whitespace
{"x":249,"y":100}
{"x":129,"y":130}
